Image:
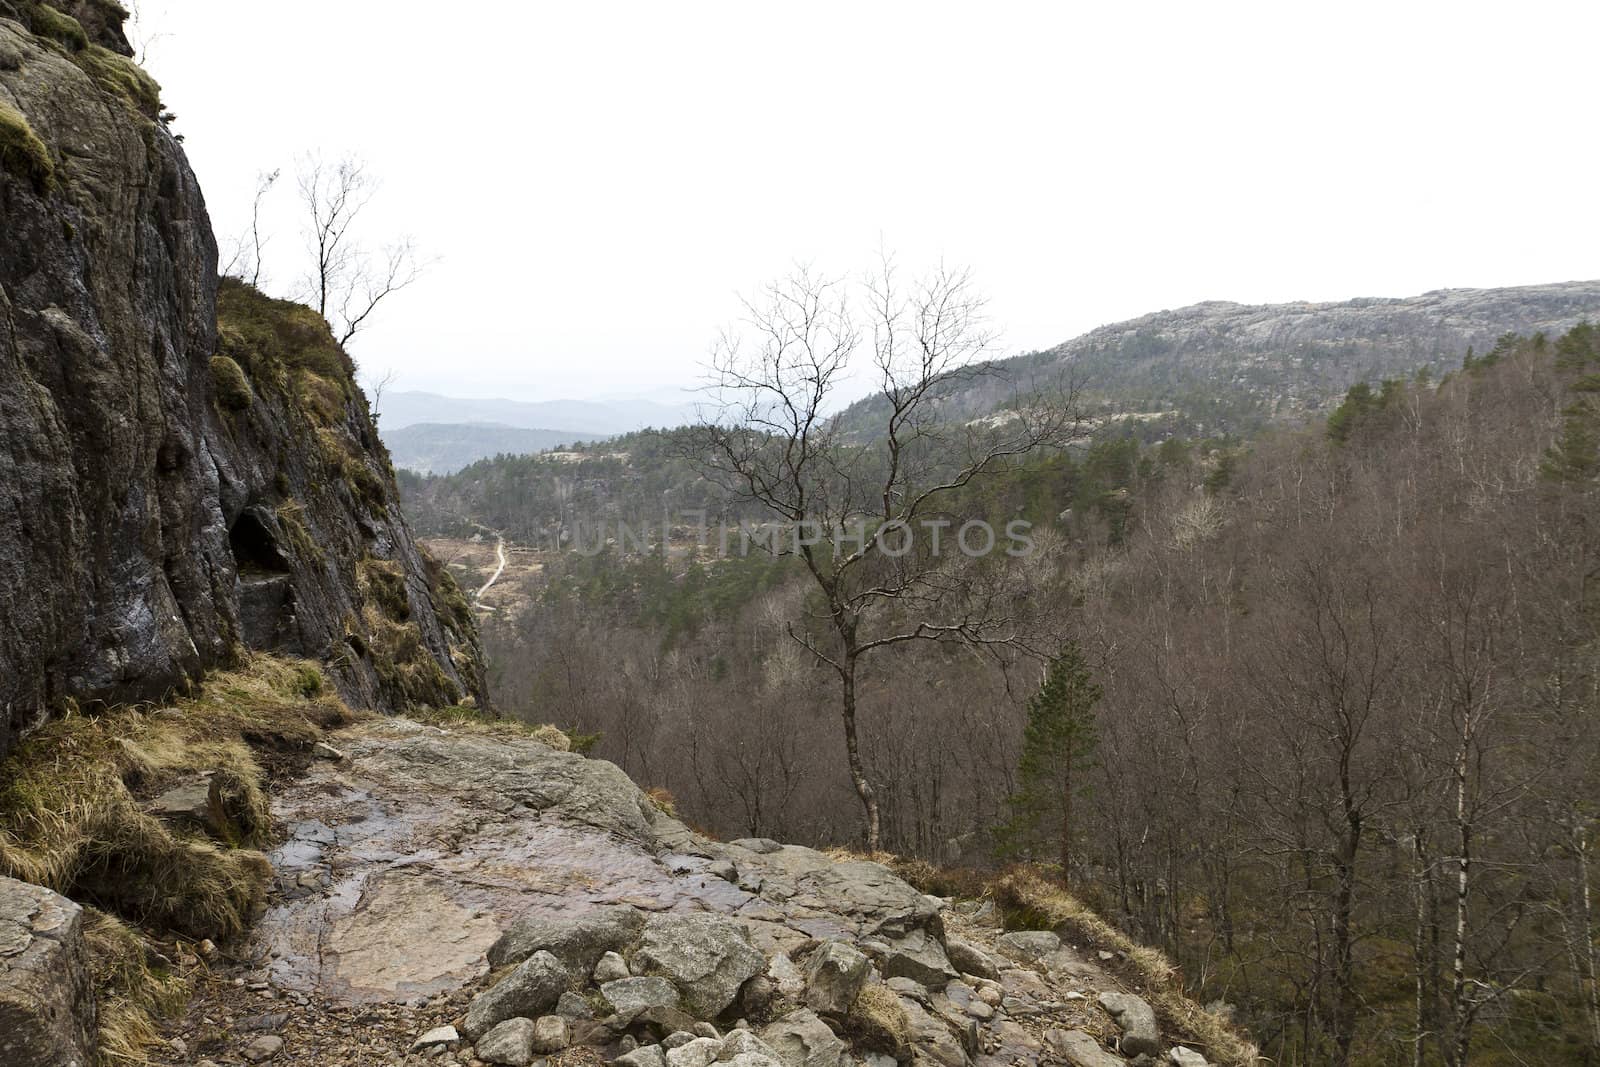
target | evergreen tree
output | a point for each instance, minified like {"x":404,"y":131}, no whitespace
{"x":1058,"y":746}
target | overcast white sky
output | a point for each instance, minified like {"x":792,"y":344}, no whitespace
{"x":598,"y":180}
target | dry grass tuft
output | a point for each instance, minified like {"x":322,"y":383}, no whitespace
{"x":72,"y":805}
{"x":1029,"y":901}
{"x":553,"y":736}
{"x":878,"y":1023}
{"x":72,"y":817}
{"x":130,"y":991}
{"x":662,"y":800}
{"x":469,"y":718}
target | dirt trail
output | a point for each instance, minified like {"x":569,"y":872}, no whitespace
{"x":500,"y":552}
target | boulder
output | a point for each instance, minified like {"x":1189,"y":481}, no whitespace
{"x":663,"y":1021}
{"x":578,"y":941}
{"x":786,"y":977}
{"x":745,"y":1043}
{"x":1027,"y":946}
{"x":753,"y":1059}
{"x":643,"y":1056}
{"x":920,"y":957}
{"x":707,"y":957}
{"x":509,"y":1042}
{"x":1080,"y":1050}
{"x":1186,"y":1057}
{"x":969,"y":959}
{"x":530,"y":990}
{"x":760,"y":845}
{"x":696,"y":1052}
{"x":572,"y":1006}
{"x":47,"y":1008}
{"x":630,"y":996}
{"x":801,"y":1039}
{"x":931,"y":1037}
{"x":262,"y":1049}
{"x":550,"y":1034}
{"x":835,"y":973}
{"x":610,"y":968}
{"x":1141,"y":1033}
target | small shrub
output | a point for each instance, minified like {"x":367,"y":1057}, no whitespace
{"x":382,"y":583}
{"x":580,"y":742}
{"x":21,"y":151}
{"x":233,"y":389}
{"x":308,"y":681}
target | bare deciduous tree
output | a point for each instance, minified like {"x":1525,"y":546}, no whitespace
{"x":347,"y":280}
{"x":245,"y":261}
{"x":850,"y":494}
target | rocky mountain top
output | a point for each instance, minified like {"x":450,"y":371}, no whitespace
{"x":1220,"y":367}
{"x":461,"y":897}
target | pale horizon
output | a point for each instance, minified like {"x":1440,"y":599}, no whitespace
{"x":596,"y":186}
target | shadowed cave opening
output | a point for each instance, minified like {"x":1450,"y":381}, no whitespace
{"x":254,"y":549}
{"x":266,"y":597}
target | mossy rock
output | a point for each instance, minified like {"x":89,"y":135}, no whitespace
{"x":22,"y":153}
{"x":121,"y":76}
{"x":47,"y":22}
{"x":233,"y":388}
{"x":265,"y":336}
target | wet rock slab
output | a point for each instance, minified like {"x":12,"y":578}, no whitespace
{"x":405,"y":862}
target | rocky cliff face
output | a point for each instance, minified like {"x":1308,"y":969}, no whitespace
{"x":171,"y":494}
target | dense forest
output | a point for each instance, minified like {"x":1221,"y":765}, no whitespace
{"x":1343,"y":760}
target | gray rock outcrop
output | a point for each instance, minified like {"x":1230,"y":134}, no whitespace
{"x":47,"y":1008}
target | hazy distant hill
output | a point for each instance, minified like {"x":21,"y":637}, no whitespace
{"x":1221,"y":367}
{"x":444,"y":448}
{"x":596,"y":418}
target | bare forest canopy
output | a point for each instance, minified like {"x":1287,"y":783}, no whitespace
{"x":1345,"y":759}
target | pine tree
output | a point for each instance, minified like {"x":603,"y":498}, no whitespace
{"x":1058,"y":746}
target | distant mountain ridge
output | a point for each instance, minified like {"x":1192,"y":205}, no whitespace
{"x":444,"y":448}
{"x":1221,"y":367}
{"x":595,"y":418}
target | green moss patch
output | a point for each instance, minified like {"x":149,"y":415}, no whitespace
{"x":233,"y":389}
{"x":122,"y":77}
{"x":22,"y":153}
{"x":47,"y":22}
{"x":271,"y":338}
